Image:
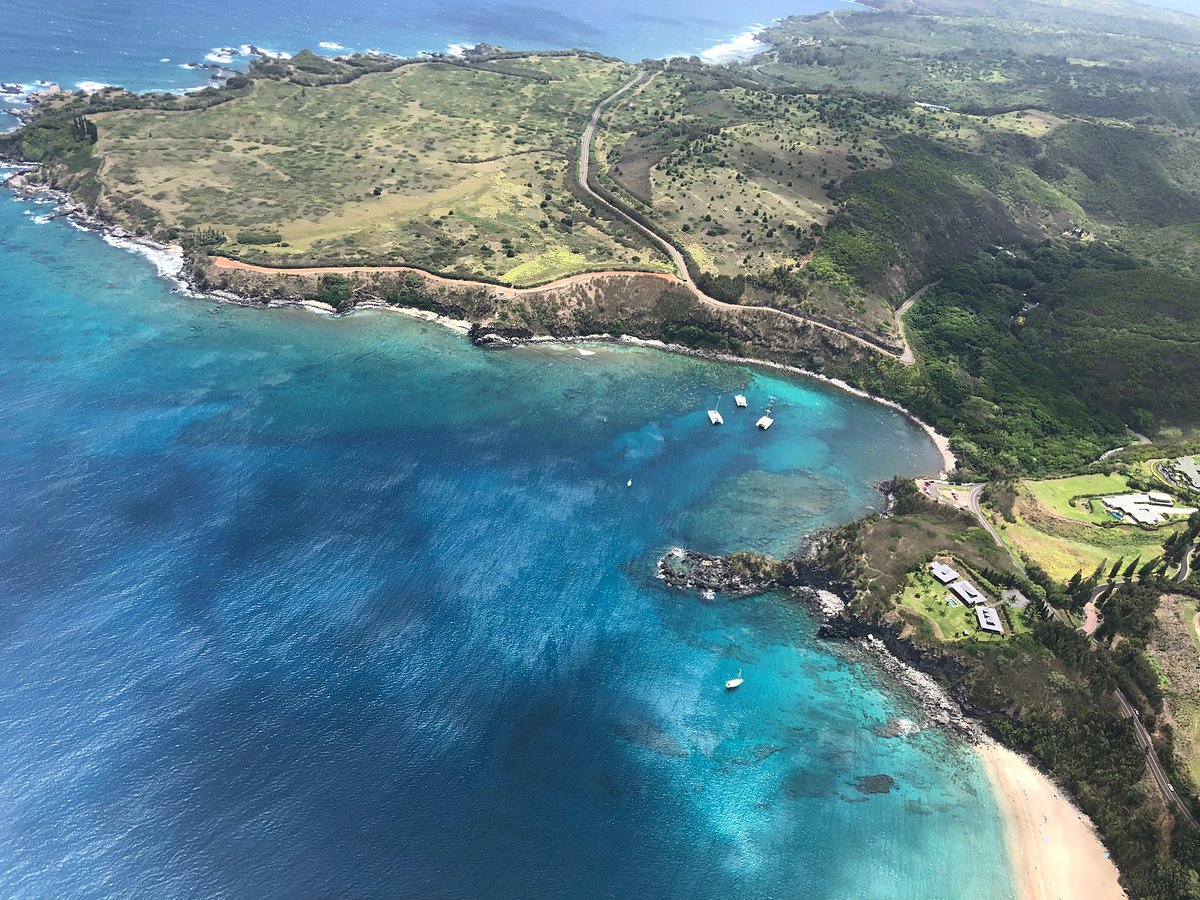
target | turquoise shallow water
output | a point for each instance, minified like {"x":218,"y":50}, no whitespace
{"x":293,"y":606}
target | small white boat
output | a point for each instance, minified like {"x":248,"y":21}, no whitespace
{"x":740,"y":400}
{"x":629,"y":483}
{"x":734,"y":683}
{"x":715,"y":417}
{"x":765,"y":422}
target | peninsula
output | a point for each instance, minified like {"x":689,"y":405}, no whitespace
{"x":982,"y":213}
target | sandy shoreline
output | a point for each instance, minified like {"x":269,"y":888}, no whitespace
{"x":1053,"y":849}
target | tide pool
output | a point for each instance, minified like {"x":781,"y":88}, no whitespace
{"x":302,"y":606}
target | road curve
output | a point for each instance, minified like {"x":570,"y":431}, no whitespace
{"x":973,"y":495}
{"x":908,"y":357}
{"x":676,"y":255}
{"x":682,"y":276}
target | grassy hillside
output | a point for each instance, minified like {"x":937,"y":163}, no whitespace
{"x":455,"y":168}
{"x":1095,"y":59}
{"x":1057,"y":202}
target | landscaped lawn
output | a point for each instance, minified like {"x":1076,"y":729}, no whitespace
{"x":1064,"y":539}
{"x":923,"y":595}
{"x":1057,"y":495}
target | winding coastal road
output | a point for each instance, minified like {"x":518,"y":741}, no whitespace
{"x":682,"y":276}
{"x":1170,"y":797}
{"x":680,"y":263}
{"x":907,"y":357}
{"x":1091,"y":622}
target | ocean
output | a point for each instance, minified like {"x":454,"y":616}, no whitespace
{"x":295,"y":606}
{"x":145,"y":44}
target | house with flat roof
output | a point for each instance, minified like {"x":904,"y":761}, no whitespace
{"x":1187,"y":469}
{"x":966,"y":592}
{"x":1159,"y":498}
{"x":989,"y":619}
{"x":943,"y":572}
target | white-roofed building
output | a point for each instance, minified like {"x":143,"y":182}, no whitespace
{"x":1188,"y":469}
{"x":989,"y":619}
{"x":966,"y":592}
{"x":943,"y":572}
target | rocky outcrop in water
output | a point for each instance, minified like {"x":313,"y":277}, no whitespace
{"x":495,"y":337}
{"x":916,"y":668}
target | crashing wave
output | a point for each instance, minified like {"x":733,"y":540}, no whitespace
{"x":740,"y":46}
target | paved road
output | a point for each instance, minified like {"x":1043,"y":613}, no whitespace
{"x":908,"y":357}
{"x":1170,"y":797}
{"x":976,"y":490}
{"x":676,"y":255}
{"x":1160,"y":776}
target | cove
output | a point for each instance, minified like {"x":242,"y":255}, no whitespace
{"x":296,"y":605}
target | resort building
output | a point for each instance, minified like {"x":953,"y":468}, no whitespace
{"x":966,"y":592}
{"x":1188,"y":471}
{"x":989,"y":619}
{"x":1144,"y":509}
{"x":943,"y":572}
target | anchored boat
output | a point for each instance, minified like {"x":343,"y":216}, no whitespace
{"x":766,"y":421}
{"x":740,"y":400}
{"x":714,"y":416}
{"x":734,"y":683}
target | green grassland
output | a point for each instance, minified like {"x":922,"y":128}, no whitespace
{"x":1040,"y":522}
{"x":454,"y":168}
{"x":1095,"y":59}
{"x":1072,"y":497}
{"x":923,"y":597}
{"x":736,"y":173}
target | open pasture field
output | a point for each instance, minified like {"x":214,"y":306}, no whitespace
{"x":447,"y":167}
{"x":1038,"y":526}
{"x":1069,"y":497}
{"x":735,"y":176}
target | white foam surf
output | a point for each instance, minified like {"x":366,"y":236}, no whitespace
{"x":740,"y":46}
{"x":167,"y":261}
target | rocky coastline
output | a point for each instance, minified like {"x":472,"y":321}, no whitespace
{"x":920,"y":671}
{"x":738,"y":575}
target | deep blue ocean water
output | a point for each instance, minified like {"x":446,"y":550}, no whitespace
{"x":297,"y":606}
{"x":141,"y":44}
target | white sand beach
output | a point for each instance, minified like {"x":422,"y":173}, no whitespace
{"x":1054,"y":850}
